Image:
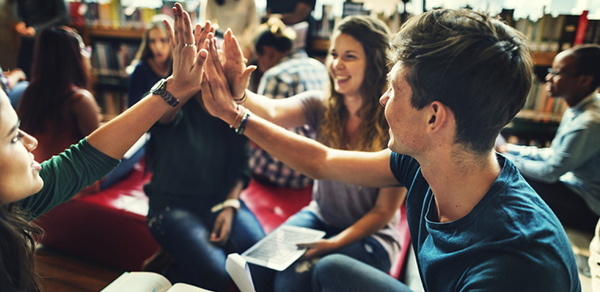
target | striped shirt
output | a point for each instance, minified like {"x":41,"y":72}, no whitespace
{"x":295,"y":73}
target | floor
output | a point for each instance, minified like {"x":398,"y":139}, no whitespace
{"x":65,"y":273}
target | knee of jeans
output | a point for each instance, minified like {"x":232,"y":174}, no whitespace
{"x":170,"y":219}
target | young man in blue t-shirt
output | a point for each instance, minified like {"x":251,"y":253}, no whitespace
{"x":459,"y":77}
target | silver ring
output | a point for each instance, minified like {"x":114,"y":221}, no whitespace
{"x":188,"y":45}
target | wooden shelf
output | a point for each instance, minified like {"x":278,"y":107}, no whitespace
{"x":543,"y":58}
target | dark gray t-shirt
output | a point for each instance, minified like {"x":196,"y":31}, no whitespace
{"x":340,"y":204}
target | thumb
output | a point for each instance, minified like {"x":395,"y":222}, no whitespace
{"x":200,"y":61}
{"x":247,"y":73}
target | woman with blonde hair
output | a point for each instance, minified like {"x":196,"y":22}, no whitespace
{"x":153,"y":61}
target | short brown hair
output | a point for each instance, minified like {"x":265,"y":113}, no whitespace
{"x":477,"y":66}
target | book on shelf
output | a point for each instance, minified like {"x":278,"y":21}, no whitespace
{"x":148,"y":282}
{"x":112,"y":58}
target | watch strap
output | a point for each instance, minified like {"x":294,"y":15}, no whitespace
{"x":161,"y":90}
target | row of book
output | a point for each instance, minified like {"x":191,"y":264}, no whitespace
{"x":112,"y":58}
{"x":554,"y":34}
{"x":538,"y":101}
{"x":112,"y":15}
{"x":112,"y":102}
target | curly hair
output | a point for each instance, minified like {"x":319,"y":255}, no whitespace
{"x":374,"y":36}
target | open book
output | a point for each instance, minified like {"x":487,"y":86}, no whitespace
{"x":147,"y":282}
{"x":278,"y":250}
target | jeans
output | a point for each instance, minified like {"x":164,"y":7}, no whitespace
{"x":338,"y":272}
{"x":184,"y":232}
{"x":297,"y":277}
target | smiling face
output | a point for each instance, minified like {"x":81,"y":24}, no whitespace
{"x":347,"y":63}
{"x":158,"y":41}
{"x":19,"y":172}
{"x":406,"y":128}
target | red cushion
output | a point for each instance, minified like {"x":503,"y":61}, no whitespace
{"x":108,"y":226}
{"x":273,"y":205}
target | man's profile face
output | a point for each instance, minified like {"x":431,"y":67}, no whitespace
{"x":562,"y":80}
{"x":406,"y":127}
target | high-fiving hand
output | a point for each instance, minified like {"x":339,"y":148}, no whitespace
{"x":189,"y":55}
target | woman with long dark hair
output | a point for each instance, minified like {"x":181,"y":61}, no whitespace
{"x":57,"y":108}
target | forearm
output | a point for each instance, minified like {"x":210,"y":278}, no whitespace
{"x":117,"y":136}
{"x":236,"y":191}
{"x":287,"y":113}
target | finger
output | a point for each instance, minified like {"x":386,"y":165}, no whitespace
{"x":188,"y":37}
{"x":170,"y":32}
{"x":216,"y":53}
{"x":200,"y":61}
{"x":305,"y":245}
{"x":197,"y":34}
{"x":179,"y":24}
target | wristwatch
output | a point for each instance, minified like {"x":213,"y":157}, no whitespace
{"x":160,"y":88}
{"x":233,"y":203}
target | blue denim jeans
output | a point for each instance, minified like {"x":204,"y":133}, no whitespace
{"x":337,"y":272}
{"x":297,"y":277}
{"x":184,"y":232}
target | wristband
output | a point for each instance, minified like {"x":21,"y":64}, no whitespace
{"x":241,"y":100}
{"x":242,"y":126}
{"x":233,"y":203}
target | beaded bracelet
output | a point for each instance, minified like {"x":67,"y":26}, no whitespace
{"x":242,"y":127}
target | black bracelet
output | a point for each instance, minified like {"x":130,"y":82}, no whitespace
{"x":241,"y":100}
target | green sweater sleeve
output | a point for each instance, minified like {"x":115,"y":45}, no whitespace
{"x":64,"y":175}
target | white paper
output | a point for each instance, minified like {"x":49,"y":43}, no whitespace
{"x":278,"y":250}
{"x":139,"y":282}
{"x":239,"y":271}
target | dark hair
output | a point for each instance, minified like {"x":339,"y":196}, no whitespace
{"x":17,"y":272}
{"x":587,"y":62}
{"x":273,"y":33}
{"x":374,"y":36}
{"x":477,"y":66}
{"x":57,"y":66}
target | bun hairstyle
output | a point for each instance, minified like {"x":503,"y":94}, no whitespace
{"x":273,"y":33}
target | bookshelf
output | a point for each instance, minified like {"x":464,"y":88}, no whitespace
{"x":114,"y":32}
{"x":112,"y":51}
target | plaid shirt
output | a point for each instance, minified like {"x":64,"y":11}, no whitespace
{"x":295,"y":73}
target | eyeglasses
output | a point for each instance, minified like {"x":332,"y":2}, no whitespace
{"x":552,"y":73}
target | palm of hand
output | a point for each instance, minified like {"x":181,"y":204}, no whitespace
{"x":234,"y":65}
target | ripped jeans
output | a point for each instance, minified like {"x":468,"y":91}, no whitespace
{"x":298,"y":276}
{"x":184,"y":232}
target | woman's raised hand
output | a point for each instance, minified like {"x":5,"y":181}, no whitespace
{"x":234,"y":66}
{"x":215,"y":88}
{"x":188,"y":61}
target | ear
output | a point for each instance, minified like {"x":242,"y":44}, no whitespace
{"x":437,"y":116}
{"x":585,"y":81}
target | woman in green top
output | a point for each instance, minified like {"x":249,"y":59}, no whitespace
{"x":28,"y":189}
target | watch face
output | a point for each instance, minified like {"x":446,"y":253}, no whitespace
{"x":157,"y":86}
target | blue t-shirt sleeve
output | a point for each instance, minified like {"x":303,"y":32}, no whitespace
{"x":404,"y":168}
